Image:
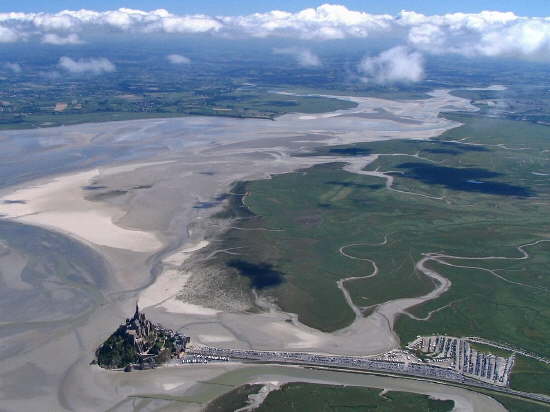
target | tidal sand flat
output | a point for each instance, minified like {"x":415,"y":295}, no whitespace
{"x":61,"y":204}
{"x":141,"y":221}
{"x":171,"y":279}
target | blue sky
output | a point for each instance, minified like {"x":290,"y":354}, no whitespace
{"x":238,"y":7}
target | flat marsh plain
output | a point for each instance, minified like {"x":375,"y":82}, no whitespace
{"x":475,"y":195}
{"x":300,"y":396}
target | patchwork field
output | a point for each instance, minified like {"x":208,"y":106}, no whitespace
{"x":97,"y":107}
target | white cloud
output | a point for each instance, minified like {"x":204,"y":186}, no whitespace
{"x":178,"y":59}
{"x":186,"y":24}
{"x":304,"y":57}
{"x":489,"y":33}
{"x":396,"y":65}
{"x":124,"y":19}
{"x":526,"y":39}
{"x":53,"y":38}
{"x":8,"y":35}
{"x":94,"y":66}
{"x":328,"y":21}
{"x":14,"y":67}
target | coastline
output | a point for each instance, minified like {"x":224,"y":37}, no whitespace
{"x":152,"y":230}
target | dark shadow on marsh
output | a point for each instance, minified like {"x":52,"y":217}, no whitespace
{"x":351,"y":151}
{"x":347,"y":184}
{"x":261,"y":275}
{"x":375,"y":186}
{"x":205,"y":205}
{"x":464,"y":179}
{"x":442,"y":151}
{"x":356,"y":185}
{"x":288,"y":103}
{"x":446,"y":145}
{"x":465,"y":147}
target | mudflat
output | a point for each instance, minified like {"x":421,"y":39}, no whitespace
{"x":142,"y":222}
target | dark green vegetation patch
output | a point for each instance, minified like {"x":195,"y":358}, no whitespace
{"x":313,"y":397}
{"x":520,"y":405}
{"x":530,"y":375}
{"x":117,"y":352}
{"x":231,"y":401}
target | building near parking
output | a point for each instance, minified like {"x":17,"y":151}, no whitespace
{"x":460,"y":355}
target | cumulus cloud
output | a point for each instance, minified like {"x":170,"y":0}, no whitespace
{"x":53,"y":38}
{"x":93,"y":66}
{"x":489,"y":33}
{"x":396,"y":65}
{"x":178,"y":59}
{"x":328,"y":21}
{"x":304,"y":57}
{"x":8,"y":35}
{"x":14,"y":67}
{"x":124,"y":20}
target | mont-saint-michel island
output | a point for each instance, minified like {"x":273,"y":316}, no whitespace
{"x":274,"y":206}
{"x":140,"y":344}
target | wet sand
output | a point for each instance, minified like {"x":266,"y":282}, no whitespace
{"x":59,"y":204}
{"x":144,"y":220}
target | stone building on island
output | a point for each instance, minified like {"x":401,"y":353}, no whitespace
{"x":141,"y":344}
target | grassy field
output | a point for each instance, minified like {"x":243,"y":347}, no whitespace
{"x":520,"y":405}
{"x":319,"y":216}
{"x":490,"y":349}
{"x":495,"y":197}
{"x":320,"y":398}
{"x":530,"y":375}
{"x":233,"y":400}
